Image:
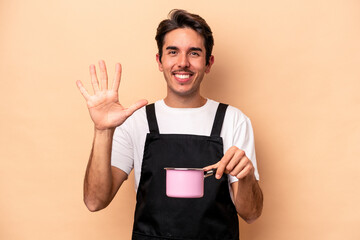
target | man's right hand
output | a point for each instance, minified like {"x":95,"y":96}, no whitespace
{"x":104,"y":107}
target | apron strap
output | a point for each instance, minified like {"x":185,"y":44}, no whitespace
{"x":219,"y":119}
{"x":151,"y":117}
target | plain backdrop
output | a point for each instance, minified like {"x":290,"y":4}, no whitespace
{"x":292,"y":66}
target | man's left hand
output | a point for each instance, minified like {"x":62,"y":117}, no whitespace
{"x":235,"y":163}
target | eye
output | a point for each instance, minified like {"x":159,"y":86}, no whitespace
{"x":195,"y":54}
{"x":172,"y":52}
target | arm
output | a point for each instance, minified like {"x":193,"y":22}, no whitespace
{"x":248,"y":196}
{"x":101,"y":180}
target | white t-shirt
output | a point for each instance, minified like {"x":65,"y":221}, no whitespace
{"x":129,"y":138}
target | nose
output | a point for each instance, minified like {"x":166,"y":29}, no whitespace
{"x":183,"y":61}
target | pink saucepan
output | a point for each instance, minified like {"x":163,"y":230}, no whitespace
{"x":186,"y":182}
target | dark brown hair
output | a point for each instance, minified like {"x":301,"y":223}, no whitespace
{"x":181,"y":19}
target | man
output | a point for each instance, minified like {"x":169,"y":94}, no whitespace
{"x":183,"y":130}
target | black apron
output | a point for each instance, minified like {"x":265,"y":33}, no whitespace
{"x":160,"y":217}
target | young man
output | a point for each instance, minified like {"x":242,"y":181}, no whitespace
{"x":184,"y":130}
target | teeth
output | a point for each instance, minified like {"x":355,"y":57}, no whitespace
{"x":182,"y":76}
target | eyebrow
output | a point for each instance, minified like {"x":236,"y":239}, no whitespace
{"x":171,"y":48}
{"x":196,"y":49}
{"x":191,"y":49}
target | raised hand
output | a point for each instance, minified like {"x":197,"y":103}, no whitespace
{"x":104,"y":107}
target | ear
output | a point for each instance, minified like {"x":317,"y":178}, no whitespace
{"x":159,"y":62}
{"x":211,"y":62}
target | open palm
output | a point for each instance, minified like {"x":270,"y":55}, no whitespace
{"x":104,"y":107}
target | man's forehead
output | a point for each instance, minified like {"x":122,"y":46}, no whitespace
{"x":184,"y":37}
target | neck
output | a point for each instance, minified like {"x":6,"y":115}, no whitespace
{"x":185,"y":101}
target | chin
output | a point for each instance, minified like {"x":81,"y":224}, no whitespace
{"x":185,"y":93}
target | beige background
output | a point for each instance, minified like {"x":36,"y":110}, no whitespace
{"x":291,"y":66}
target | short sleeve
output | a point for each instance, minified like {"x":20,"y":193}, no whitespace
{"x":243,"y":138}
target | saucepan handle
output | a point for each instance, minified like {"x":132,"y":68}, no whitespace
{"x":209,"y":172}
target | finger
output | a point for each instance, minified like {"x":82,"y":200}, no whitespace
{"x":139,"y":104}
{"x":238,"y":155}
{"x":94,"y":80}
{"x":245,"y":172}
{"x":117,"y":77}
{"x":223,"y":163}
{"x":103,"y":75}
{"x":82,"y":90}
{"x":232,"y":164}
{"x":239,"y":167}
{"x":207,"y":168}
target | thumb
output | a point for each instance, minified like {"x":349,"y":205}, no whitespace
{"x":139,"y":104}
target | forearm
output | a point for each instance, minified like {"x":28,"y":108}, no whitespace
{"x":248,"y":198}
{"x":98,"y":182}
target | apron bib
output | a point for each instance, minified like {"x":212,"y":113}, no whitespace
{"x":159,"y":217}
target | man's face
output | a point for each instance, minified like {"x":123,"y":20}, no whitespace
{"x":184,"y":61}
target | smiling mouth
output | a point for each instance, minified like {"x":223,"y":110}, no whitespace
{"x":182,"y":76}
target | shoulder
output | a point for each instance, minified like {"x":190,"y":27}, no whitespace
{"x":233,"y":114}
{"x":137,"y":121}
{"x":236,"y":114}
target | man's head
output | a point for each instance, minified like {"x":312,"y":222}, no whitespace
{"x":183,"y":19}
